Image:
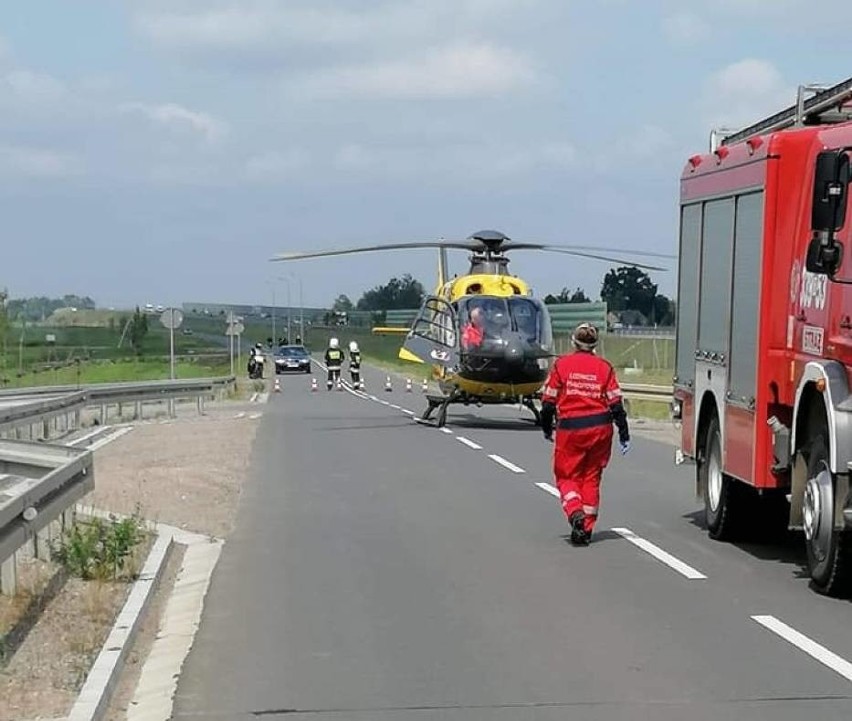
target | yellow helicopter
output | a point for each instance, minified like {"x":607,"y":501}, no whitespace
{"x":488,"y":340}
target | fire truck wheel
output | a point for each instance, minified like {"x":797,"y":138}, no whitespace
{"x":829,"y":550}
{"x":725,"y":499}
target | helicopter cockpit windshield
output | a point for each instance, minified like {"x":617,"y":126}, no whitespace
{"x":489,"y":324}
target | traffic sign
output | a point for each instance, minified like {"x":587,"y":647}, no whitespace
{"x":172,"y":318}
{"x":235,"y":329}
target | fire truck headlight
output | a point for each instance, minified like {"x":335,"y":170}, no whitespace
{"x":677,"y":410}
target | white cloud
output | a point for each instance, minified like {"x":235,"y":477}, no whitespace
{"x":275,"y":166}
{"x":745,"y":91}
{"x":261,"y":25}
{"x":177,"y":117}
{"x":462,"y":70}
{"x":38,"y":163}
{"x":685,"y":28}
{"x":30,"y":88}
{"x":353,"y":157}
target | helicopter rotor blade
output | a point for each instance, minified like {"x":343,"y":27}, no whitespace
{"x":585,"y":248}
{"x":297,"y":255}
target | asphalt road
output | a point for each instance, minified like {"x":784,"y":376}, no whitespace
{"x":385,"y":570}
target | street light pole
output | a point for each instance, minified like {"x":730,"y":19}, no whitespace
{"x":273,"y":316}
{"x":289,"y":314}
{"x":301,"y":313}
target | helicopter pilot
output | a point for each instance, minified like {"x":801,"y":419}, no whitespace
{"x":473,"y":331}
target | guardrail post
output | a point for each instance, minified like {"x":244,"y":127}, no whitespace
{"x":45,"y":429}
{"x":41,"y":544}
{"x":171,"y":407}
{"x":9,"y":576}
{"x":120,"y":411}
{"x":103,"y":414}
{"x":78,"y":419}
{"x":137,"y":414}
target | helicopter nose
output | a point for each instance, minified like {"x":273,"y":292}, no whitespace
{"x":514,"y":350}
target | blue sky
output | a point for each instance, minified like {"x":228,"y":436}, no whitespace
{"x":163,"y":150}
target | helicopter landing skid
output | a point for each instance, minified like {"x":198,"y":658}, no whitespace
{"x":439,"y":403}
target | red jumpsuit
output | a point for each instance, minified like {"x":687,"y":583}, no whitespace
{"x":584,"y":390}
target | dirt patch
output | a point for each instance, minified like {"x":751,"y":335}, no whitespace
{"x":48,"y":670}
{"x":147,"y":634}
{"x":187,"y":473}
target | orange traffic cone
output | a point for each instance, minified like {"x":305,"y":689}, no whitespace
{"x":408,"y":385}
{"x":313,"y":385}
{"x":388,"y":386}
{"x":277,"y":387}
{"x":425,"y":385}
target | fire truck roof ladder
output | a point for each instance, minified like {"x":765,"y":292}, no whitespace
{"x":824,"y":107}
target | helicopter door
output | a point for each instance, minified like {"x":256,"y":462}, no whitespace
{"x":433,"y":338}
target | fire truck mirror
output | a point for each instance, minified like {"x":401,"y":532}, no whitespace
{"x":824,"y":255}
{"x":831,"y":181}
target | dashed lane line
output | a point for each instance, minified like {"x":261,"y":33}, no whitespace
{"x":547,"y":488}
{"x":664,"y":556}
{"x":816,"y":651}
{"x":506,"y":464}
{"x":469,"y":443}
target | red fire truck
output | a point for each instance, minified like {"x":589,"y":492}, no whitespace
{"x":764,"y":334}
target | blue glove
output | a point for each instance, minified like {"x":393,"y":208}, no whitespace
{"x":625,"y":447}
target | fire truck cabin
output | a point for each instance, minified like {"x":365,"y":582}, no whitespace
{"x":764,"y":330}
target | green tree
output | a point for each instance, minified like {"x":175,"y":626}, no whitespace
{"x":628,"y":288}
{"x":138,"y":330}
{"x":342,"y":304}
{"x":397,"y":294}
{"x":567,"y":296}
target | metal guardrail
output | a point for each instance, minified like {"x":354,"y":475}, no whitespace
{"x":645,"y":392}
{"x":26,"y":407}
{"x":38,"y":483}
{"x":22,"y":410}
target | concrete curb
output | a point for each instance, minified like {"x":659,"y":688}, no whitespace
{"x":94,"y":698}
{"x":153,"y":698}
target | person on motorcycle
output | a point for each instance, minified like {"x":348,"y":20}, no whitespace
{"x":355,"y":364}
{"x":334,"y":358}
{"x":256,"y":361}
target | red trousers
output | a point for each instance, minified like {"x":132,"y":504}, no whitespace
{"x":579,"y":457}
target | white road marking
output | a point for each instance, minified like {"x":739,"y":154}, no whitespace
{"x":447,"y":431}
{"x":547,"y":488}
{"x":469,"y":443}
{"x":661,"y":555}
{"x":83,"y":439}
{"x":253,"y":399}
{"x":110,"y":438}
{"x":812,"y":648}
{"x":394,"y":405}
{"x":408,"y":412}
{"x":506,"y":464}
{"x":255,"y":416}
{"x":240,"y":415}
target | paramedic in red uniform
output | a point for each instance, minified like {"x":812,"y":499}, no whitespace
{"x":583,"y":395}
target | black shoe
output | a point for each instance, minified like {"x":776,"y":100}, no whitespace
{"x":579,"y":535}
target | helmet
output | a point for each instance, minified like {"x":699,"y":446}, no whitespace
{"x":585,"y":337}
{"x":334,"y":343}
{"x":353,"y":347}
{"x":258,"y":345}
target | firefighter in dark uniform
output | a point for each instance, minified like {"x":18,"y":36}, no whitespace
{"x":583,"y":396}
{"x":334,"y":358}
{"x":355,"y":364}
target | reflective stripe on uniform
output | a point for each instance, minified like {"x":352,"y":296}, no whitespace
{"x":552,"y":392}
{"x":590,"y":510}
{"x":571,"y":495}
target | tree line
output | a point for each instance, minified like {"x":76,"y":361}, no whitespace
{"x":39,"y":308}
{"x":628,"y":292}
